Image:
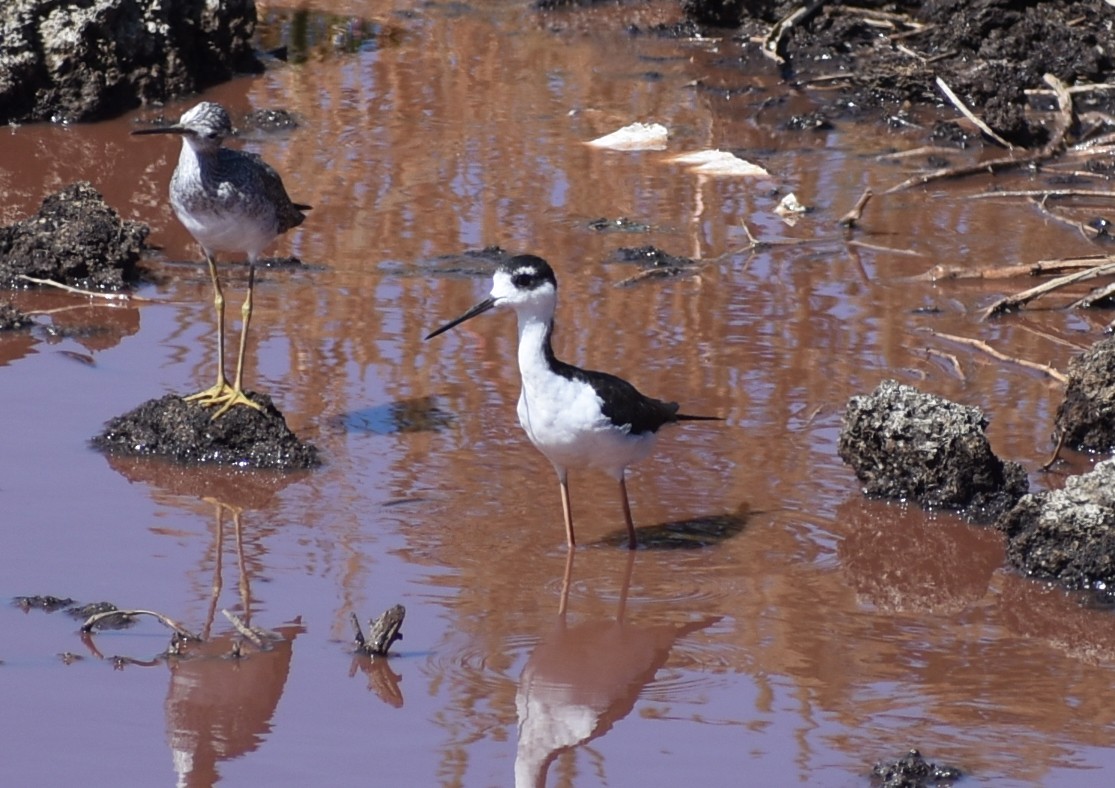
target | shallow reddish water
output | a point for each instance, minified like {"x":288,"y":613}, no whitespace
{"x":829,"y":632}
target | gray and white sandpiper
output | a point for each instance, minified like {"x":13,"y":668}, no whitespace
{"x":229,"y":201}
{"x":575,"y":417}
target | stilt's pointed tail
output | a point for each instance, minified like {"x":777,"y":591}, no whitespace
{"x":690,"y":417}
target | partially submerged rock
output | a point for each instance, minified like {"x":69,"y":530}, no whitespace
{"x":69,"y":61}
{"x":1086,"y":417}
{"x":913,"y":771}
{"x":906,"y":444}
{"x":187,"y":432}
{"x":1067,"y":535}
{"x":11,"y":318}
{"x":75,"y":239}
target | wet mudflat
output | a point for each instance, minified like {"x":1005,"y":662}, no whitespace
{"x":808,"y":632}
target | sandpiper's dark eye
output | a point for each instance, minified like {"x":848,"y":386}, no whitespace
{"x":524,"y":280}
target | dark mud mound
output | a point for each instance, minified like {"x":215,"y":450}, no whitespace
{"x":187,"y":432}
{"x":913,"y":771}
{"x":1086,"y":418}
{"x":75,"y":239}
{"x":11,"y":318}
{"x":70,"y":61}
{"x":988,"y":51}
{"x":1067,"y":535}
{"x":905,"y":444}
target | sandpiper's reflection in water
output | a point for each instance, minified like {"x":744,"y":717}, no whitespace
{"x":219,"y":706}
{"x":580,"y":680}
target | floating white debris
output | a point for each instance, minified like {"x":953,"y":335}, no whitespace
{"x":790,"y":209}
{"x":789,"y":205}
{"x":719,"y":162}
{"x":637,"y":136}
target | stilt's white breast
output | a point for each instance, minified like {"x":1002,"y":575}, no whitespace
{"x":567,"y":425}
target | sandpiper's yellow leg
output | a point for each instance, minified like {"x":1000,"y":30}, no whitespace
{"x":235,"y":394}
{"x":221,"y":393}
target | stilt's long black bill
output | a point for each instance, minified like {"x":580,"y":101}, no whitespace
{"x":479,"y":309}
{"x":161,"y":130}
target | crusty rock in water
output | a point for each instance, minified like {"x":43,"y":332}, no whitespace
{"x":75,"y":239}
{"x":187,"y":432}
{"x":1067,"y":535}
{"x":906,"y":444}
{"x":62,"y":60}
{"x":1086,"y":416}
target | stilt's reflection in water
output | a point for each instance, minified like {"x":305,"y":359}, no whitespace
{"x":580,"y":680}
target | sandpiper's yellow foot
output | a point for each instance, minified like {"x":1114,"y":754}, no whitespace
{"x":213,"y":395}
{"x":224,"y":395}
{"x":233,"y":398}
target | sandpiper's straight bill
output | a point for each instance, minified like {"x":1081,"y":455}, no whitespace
{"x":576,"y":417}
{"x":229,"y":201}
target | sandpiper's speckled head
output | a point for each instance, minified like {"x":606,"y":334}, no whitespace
{"x":203,"y":127}
{"x":207,"y":120}
{"x":525,"y":283}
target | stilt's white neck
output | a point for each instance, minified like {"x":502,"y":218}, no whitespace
{"x":534,"y":352}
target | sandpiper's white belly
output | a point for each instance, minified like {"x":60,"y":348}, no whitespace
{"x":223,"y":232}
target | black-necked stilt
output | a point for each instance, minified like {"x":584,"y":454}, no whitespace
{"x":576,"y":417}
{"x":230,"y":201}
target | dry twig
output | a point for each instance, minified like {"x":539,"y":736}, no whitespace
{"x":971,"y":116}
{"x":1045,"y":466}
{"x":166,"y":621}
{"x":260,"y":638}
{"x":77,"y":290}
{"x":884,"y":249}
{"x":852,"y":217}
{"x":979,"y":344}
{"x":773,"y":39}
{"x":1094,"y":297}
{"x":940,"y":272}
{"x":952,"y":359}
{"x":1026,"y":296}
{"x":382,"y":632}
{"x":1056,"y":143}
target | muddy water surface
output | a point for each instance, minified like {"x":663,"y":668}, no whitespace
{"x":814,"y":633}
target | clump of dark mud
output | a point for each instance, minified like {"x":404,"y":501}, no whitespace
{"x":889,"y":53}
{"x":187,"y":432}
{"x":619,"y":225}
{"x":1067,"y":535}
{"x":51,"y":604}
{"x":11,"y":318}
{"x":650,"y":257}
{"x":1086,"y":417}
{"x":75,"y":239}
{"x":67,"y":61}
{"x":905,"y":444}
{"x":654,"y":264}
{"x":913,"y":771}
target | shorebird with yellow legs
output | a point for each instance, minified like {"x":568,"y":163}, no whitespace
{"x":229,"y":201}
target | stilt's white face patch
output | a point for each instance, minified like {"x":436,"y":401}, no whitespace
{"x":522,"y":286}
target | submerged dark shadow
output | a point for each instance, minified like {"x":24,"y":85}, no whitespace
{"x":419,"y":414}
{"x":469,"y":264}
{"x":692,"y":533}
